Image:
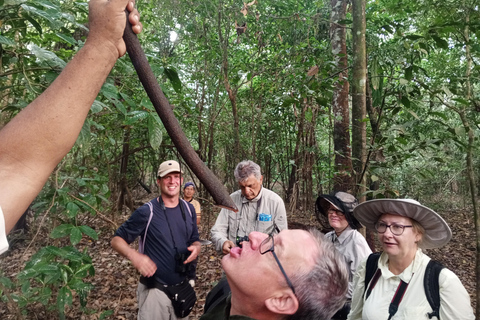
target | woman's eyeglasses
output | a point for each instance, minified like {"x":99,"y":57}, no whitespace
{"x":396,"y":229}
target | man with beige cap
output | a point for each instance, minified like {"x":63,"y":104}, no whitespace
{"x":169,"y":241}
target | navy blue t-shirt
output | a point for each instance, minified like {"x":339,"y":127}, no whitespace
{"x":159,"y":245}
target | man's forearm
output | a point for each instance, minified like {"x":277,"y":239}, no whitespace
{"x":53,"y":122}
{"x":122,"y":247}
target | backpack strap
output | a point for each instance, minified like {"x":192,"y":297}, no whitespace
{"x":188,"y":207}
{"x":432,"y":287}
{"x":371,"y":269}
{"x":141,"y":241}
{"x":218,"y":294}
{"x":397,"y":298}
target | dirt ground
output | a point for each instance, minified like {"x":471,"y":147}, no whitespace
{"x":115,"y":279}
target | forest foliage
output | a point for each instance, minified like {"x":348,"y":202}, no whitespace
{"x":246,"y":81}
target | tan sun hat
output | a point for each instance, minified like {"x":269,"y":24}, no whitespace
{"x":167,"y":167}
{"x":437,"y":232}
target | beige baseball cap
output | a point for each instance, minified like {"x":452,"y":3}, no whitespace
{"x":167,"y":167}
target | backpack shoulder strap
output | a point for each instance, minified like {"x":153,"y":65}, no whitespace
{"x":371,"y":268}
{"x":188,"y":207}
{"x":432,"y":287}
{"x":141,"y":241}
{"x":218,"y":294}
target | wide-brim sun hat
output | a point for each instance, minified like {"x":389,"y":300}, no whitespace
{"x":437,"y":231}
{"x":342,"y":201}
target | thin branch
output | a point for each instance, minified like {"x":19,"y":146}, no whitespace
{"x":96,"y":211}
{"x":15,"y":71}
{"x":49,"y":208}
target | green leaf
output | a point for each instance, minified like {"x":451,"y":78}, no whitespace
{"x":439,"y":114}
{"x":414,"y":114}
{"x":72,"y":210}
{"x":34,"y":23}
{"x":83,"y":269}
{"x":413,"y":37}
{"x":135,"y":116}
{"x":64,"y":298}
{"x":441,"y":43}
{"x":46,"y":57}
{"x":56,"y":251}
{"x":155,"y":134}
{"x":75,"y":235}
{"x":62,"y":230}
{"x":89,"y":232}
{"x":405,"y":101}
{"x":105,"y":314}
{"x":172,"y":75}
{"x":44,"y":295}
{"x":109,"y":90}
{"x":409,"y":73}
{"x":7,"y":41}
{"x":47,"y":269}
{"x":67,"y":38}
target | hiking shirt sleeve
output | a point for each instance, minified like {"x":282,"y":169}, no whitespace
{"x":3,"y":235}
{"x":353,"y":246}
{"x":219,"y":231}
{"x":454,"y":299}
{"x":135,"y":225}
{"x":226,"y":222}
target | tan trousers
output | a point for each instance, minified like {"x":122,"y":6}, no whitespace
{"x":153,"y":304}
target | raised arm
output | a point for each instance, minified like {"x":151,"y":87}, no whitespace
{"x":35,"y":141}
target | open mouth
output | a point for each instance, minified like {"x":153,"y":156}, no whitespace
{"x":236,"y":252}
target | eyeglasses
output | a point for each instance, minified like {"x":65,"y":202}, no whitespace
{"x":268,"y":245}
{"x":336,"y":211}
{"x":396,"y":229}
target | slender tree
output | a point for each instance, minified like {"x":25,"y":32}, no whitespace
{"x":341,"y":132}
{"x":359,"y":80}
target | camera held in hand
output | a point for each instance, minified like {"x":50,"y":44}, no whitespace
{"x":179,"y":259}
{"x":241,"y":239}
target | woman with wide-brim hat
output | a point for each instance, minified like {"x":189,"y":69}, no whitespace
{"x":404,"y":228}
{"x":338,"y":207}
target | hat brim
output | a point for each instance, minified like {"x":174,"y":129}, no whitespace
{"x":437,"y":231}
{"x":324,"y":202}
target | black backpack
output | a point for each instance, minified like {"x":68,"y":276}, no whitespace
{"x":430,"y":281}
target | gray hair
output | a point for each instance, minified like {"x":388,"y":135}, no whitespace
{"x":245,"y":169}
{"x":322,"y":290}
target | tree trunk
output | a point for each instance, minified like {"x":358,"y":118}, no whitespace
{"x":359,"y":127}
{"x":124,"y":197}
{"x":341,"y":133}
{"x":297,"y":161}
{"x":232,"y":92}
{"x":309,"y":160}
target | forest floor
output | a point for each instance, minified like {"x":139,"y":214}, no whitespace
{"x":115,"y":279}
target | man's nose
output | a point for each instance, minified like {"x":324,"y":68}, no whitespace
{"x":256,"y":238}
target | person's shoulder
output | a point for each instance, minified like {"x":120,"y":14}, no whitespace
{"x":357,"y":236}
{"x":145,"y":208}
{"x":269,"y":194}
{"x":236,"y":194}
